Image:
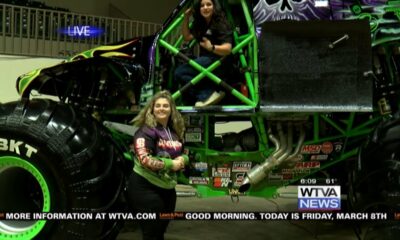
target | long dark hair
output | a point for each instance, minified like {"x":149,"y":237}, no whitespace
{"x":200,"y":25}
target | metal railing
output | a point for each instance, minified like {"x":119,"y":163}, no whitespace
{"x":37,"y":32}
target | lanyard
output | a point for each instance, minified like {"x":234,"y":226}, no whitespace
{"x":169,"y":135}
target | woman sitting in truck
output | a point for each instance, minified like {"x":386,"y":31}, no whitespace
{"x":212,"y":31}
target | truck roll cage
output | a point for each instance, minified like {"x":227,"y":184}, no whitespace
{"x":245,"y":49}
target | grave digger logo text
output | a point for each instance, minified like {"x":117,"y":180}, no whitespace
{"x":17,"y":147}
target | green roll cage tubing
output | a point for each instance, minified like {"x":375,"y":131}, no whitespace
{"x":248,"y":41}
{"x":347,"y":128}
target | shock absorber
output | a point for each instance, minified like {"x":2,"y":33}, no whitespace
{"x":99,"y":100}
{"x":393,"y":94}
{"x":381,"y":81}
{"x":96,"y":96}
{"x":74,"y":98}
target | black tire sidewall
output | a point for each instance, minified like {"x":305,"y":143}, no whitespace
{"x":42,"y":162}
{"x":78,"y":160}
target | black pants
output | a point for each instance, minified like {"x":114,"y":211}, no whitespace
{"x":146,"y":197}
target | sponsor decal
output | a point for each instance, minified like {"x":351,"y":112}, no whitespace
{"x":318,"y":197}
{"x":297,"y":158}
{"x":338,"y":146}
{"x":193,"y":137}
{"x":196,"y":120}
{"x":238,"y":179}
{"x":287,"y":176}
{"x":241,"y":166}
{"x":193,"y":130}
{"x":199,"y":180}
{"x":295,"y":170}
{"x":311,"y":149}
{"x":327,"y":148}
{"x":319,"y":157}
{"x":193,"y":134}
{"x":310,"y":164}
{"x":274,"y":176}
{"x":221,"y":172}
{"x":200,"y":166}
{"x":18,"y":147}
{"x":220,"y":182}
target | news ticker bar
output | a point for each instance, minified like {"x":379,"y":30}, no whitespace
{"x":252,"y":216}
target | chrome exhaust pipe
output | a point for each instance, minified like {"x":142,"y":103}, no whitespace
{"x":274,"y":141}
{"x":282,"y":140}
{"x":256,"y":174}
{"x":299,"y":145}
{"x":260,"y":172}
{"x":289,"y":146}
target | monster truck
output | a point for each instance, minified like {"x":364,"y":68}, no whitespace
{"x":314,"y":95}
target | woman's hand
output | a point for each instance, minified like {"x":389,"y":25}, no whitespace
{"x":205,"y":43}
{"x":178,"y":164}
{"x":188,"y":13}
{"x":221,"y":50}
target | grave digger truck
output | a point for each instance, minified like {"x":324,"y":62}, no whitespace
{"x":313,"y":99}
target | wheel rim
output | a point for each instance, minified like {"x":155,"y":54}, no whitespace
{"x":29,"y":193}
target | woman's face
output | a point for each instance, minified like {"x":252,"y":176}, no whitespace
{"x":162,"y":110}
{"x":206,"y":9}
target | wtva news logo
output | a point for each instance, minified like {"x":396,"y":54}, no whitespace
{"x":318,"y":198}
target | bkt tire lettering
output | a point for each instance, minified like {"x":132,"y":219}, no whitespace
{"x":15,"y":146}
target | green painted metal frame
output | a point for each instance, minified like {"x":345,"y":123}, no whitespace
{"x":344,"y":127}
{"x":346,"y":130}
{"x":248,"y":41}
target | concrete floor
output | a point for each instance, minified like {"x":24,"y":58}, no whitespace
{"x":248,"y":230}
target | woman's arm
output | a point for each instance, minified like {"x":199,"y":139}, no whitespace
{"x":221,"y":50}
{"x":142,"y":148}
{"x":187,"y":36}
{"x":180,"y":162}
{"x":145,"y":142}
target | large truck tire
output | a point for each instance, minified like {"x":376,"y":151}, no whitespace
{"x":54,"y":158}
{"x":375,"y":178}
